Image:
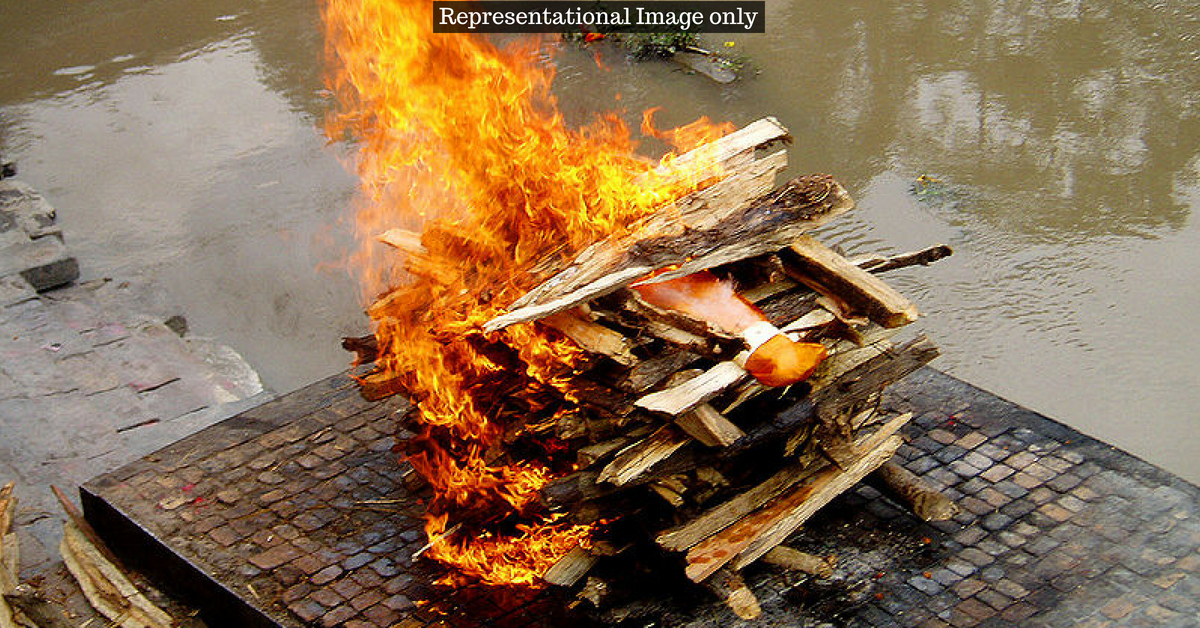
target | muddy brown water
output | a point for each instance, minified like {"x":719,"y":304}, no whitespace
{"x":180,"y":143}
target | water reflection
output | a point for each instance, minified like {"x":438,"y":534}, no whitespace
{"x":179,"y":139}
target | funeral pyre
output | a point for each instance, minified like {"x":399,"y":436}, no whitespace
{"x":585,"y":331}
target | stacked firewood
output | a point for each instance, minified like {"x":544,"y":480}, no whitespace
{"x":676,"y":425}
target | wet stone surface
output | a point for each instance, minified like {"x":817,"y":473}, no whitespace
{"x":299,"y":510}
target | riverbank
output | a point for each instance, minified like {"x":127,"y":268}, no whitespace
{"x":93,"y":375}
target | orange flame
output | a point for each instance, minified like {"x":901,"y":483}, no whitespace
{"x":463,"y":139}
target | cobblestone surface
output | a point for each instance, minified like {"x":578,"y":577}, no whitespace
{"x":299,"y":507}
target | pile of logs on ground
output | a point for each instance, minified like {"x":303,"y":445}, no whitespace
{"x":672,"y":427}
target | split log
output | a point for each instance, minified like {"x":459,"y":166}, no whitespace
{"x":709,"y":427}
{"x":649,"y":373}
{"x":591,"y":454}
{"x":687,"y":396}
{"x":833,"y":482}
{"x":704,"y":423}
{"x":573,"y":489}
{"x":744,"y":179}
{"x":571,"y":568}
{"x":728,"y":585}
{"x":789,"y":558}
{"x":9,"y":569}
{"x":641,"y":456}
{"x":718,"y":518}
{"x":592,"y":337}
{"x":755,"y":534}
{"x":851,"y":389}
{"x":923,"y":499}
{"x":594,"y":591}
{"x":85,"y":528}
{"x":823,"y":270}
{"x":403,"y":240}
{"x":105,"y":586}
{"x":764,"y":226}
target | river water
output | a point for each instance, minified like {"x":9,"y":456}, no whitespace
{"x":180,"y":143}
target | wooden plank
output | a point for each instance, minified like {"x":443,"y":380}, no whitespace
{"x":820,"y":268}
{"x":641,"y":456}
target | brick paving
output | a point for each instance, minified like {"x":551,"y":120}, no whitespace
{"x":296,"y":513}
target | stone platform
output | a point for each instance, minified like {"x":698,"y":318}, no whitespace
{"x":296,"y":513}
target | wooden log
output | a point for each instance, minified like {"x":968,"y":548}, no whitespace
{"x":649,"y":373}
{"x":742,"y":232}
{"x":728,"y":585}
{"x":789,"y":558}
{"x":592,"y":337}
{"x":365,"y":348}
{"x":743,"y":178}
{"x":709,"y":427}
{"x":726,"y":514}
{"x":685,"y":397}
{"x":567,"y":491}
{"x":641,"y":456}
{"x":669,"y":495}
{"x":591,"y":454}
{"x":403,"y":240}
{"x":841,"y":397}
{"x":704,"y":424}
{"x":821,"y":269}
{"x":881,"y":263}
{"x":923,"y":499}
{"x":571,"y":568}
{"x":755,"y":534}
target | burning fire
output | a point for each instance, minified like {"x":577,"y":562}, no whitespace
{"x":462,"y":139}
